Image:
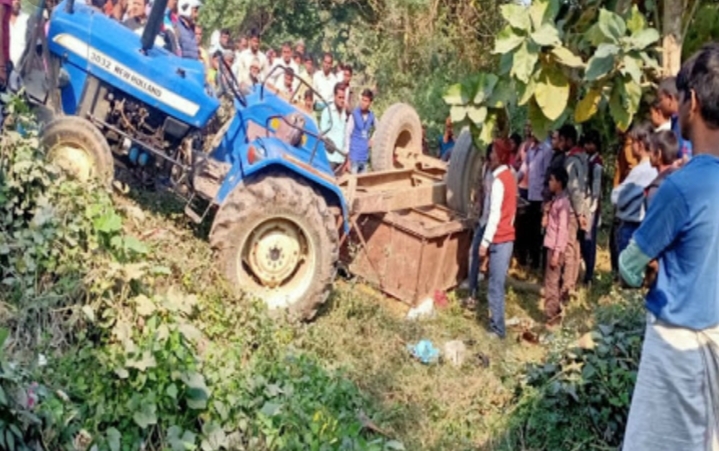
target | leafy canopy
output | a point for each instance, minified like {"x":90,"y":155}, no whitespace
{"x":558,"y":66}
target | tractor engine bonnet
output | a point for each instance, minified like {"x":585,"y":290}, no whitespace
{"x":91,"y":43}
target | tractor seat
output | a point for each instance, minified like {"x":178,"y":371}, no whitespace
{"x":291,"y":134}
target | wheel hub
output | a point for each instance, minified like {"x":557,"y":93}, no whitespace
{"x":72,"y":159}
{"x":275,"y":252}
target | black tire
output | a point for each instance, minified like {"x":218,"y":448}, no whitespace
{"x":463,"y":175}
{"x":286,"y":202}
{"x":400,"y":127}
{"x":80,"y":135}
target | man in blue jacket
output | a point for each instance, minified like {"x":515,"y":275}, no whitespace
{"x":357,"y":134}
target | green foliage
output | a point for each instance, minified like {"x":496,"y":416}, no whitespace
{"x":107,"y":358}
{"x":559,"y":68}
{"x":580,"y":397}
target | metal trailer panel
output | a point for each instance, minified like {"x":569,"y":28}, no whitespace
{"x":409,"y":254}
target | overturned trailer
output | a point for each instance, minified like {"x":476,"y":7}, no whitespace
{"x":411,"y":228}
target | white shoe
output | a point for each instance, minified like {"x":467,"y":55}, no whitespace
{"x":464,"y":285}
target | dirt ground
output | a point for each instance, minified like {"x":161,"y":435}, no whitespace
{"x":364,"y":333}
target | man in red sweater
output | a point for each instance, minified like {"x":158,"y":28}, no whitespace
{"x":498,"y":239}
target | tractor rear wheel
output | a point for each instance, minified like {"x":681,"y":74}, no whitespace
{"x":397,"y":142}
{"x":78,"y":148}
{"x":276,"y":239}
{"x":463,"y":175}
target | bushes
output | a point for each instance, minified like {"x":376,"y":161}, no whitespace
{"x":580,"y":397}
{"x":100,"y":358}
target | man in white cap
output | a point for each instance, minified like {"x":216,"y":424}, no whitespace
{"x":187,"y":42}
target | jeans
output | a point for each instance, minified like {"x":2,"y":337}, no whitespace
{"x":589,"y":250}
{"x":474,"y":260}
{"x":500,"y":255}
{"x":624,"y":234}
{"x":358,"y":167}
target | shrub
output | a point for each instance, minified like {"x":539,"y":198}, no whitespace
{"x":580,"y":397}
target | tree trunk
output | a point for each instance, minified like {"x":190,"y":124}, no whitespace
{"x":673,"y":36}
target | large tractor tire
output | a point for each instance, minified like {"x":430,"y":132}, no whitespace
{"x":463,"y":175}
{"x":275,"y":239}
{"x":78,"y":148}
{"x":398,"y":138}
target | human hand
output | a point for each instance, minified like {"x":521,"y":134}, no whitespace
{"x":583,"y":223}
{"x":650,"y":275}
{"x":482,"y":251}
{"x":554,"y":261}
{"x":545,"y":221}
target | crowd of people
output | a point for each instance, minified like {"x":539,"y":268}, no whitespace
{"x":665,"y":236}
{"x":541,"y":202}
{"x":340,"y":110}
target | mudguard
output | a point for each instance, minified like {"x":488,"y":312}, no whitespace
{"x":265,"y":154}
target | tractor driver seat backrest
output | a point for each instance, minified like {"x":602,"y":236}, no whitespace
{"x":290,"y":128}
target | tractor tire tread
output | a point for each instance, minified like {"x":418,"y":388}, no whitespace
{"x":248,"y":201}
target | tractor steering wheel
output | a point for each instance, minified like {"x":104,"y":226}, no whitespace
{"x":226,"y":73}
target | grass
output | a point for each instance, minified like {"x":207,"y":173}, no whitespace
{"x":428,"y":407}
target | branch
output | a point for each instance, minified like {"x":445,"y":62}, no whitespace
{"x":689,"y":17}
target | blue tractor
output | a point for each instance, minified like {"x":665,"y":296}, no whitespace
{"x":117,"y":98}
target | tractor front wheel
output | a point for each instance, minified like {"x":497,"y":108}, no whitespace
{"x":78,"y":148}
{"x":276,"y":239}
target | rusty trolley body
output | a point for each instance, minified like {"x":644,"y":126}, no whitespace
{"x":404,"y":239}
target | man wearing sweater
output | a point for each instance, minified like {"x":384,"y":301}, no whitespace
{"x":498,"y":238}
{"x":628,"y":197}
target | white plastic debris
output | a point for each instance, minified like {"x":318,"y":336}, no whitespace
{"x":424,"y":309}
{"x":455,"y":352}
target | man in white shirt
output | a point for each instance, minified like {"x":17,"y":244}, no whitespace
{"x":324,"y":81}
{"x":18,"y":32}
{"x":286,"y":62}
{"x":242,"y":64}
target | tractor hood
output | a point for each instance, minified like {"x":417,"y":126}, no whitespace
{"x":101,"y":46}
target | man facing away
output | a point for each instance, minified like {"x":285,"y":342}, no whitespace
{"x":676,"y":397}
{"x":357,"y":136}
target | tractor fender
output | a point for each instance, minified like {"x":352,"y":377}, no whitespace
{"x":323,"y":182}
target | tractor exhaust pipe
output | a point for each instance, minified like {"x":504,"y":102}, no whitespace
{"x":154,"y":24}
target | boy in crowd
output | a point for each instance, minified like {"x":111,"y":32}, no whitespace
{"x":446,"y":140}
{"x":498,"y":238}
{"x":556,"y":223}
{"x":357,"y":138}
{"x":674,"y":402}
{"x":536,"y":157}
{"x":668,"y":97}
{"x":592,"y":142}
{"x":628,"y":197}
{"x":577,"y":166}
{"x":624,"y":163}
{"x":308,"y":103}
{"x":664,"y":149}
